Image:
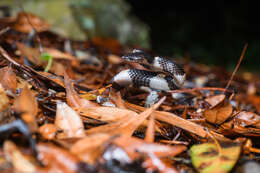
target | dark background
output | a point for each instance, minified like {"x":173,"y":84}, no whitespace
{"x":212,"y":32}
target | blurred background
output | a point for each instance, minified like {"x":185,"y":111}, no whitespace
{"x":212,"y":32}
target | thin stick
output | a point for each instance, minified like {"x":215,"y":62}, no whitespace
{"x":199,"y":89}
{"x":4,"y":30}
{"x":237,"y":66}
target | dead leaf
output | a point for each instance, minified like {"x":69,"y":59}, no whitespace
{"x":48,"y":131}
{"x":245,"y":119}
{"x":8,"y":79}
{"x":58,"y":159}
{"x":22,"y":24}
{"x":4,"y":101}
{"x":136,"y":147}
{"x":18,"y":160}
{"x":255,"y":100}
{"x":69,"y":121}
{"x":72,"y":97}
{"x":208,"y":158}
{"x":127,"y":124}
{"x":215,"y":100}
{"x":219,"y":113}
{"x":27,"y":104}
{"x":89,"y":148}
{"x":174,"y":120}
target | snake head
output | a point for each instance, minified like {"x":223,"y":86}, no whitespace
{"x":137,"y":56}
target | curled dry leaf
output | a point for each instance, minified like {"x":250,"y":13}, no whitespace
{"x":89,"y":148}
{"x":18,"y":160}
{"x":27,"y":104}
{"x":3,"y":99}
{"x":72,"y":97}
{"x":8,"y":79}
{"x":48,"y":131}
{"x":58,"y":159}
{"x":215,"y":100}
{"x":219,"y":113}
{"x":69,"y":121}
{"x":247,"y":119}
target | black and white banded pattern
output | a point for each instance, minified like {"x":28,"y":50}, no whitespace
{"x":164,"y":75}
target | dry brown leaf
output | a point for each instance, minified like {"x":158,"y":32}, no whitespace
{"x":255,"y":100}
{"x":89,"y":148}
{"x":27,"y":104}
{"x":22,"y":24}
{"x":247,"y":119}
{"x":18,"y":160}
{"x":136,"y":147}
{"x":72,"y":97}
{"x":69,"y":121}
{"x":173,"y":120}
{"x":56,"y":54}
{"x":149,"y":135}
{"x":127,"y":124}
{"x":156,"y":164}
{"x":58,"y":159}
{"x":32,"y":54}
{"x":106,"y":114}
{"x":117,"y":99}
{"x":219,"y":113}
{"x":4,"y":101}
{"x":8,"y":79}
{"x":215,"y":100}
{"x":48,"y":131}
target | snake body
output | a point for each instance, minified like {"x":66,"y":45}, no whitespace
{"x":162,"y":74}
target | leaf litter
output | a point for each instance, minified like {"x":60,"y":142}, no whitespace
{"x":69,"y":119}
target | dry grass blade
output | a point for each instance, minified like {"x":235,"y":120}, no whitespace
{"x":237,"y":66}
{"x":174,"y":120}
{"x":149,"y":135}
{"x":127,"y":124}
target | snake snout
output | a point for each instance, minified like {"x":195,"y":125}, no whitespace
{"x":132,"y":58}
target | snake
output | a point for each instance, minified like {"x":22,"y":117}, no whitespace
{"x":162,"y":74}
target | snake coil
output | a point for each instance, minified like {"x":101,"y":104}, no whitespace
{"x":162,"y":74}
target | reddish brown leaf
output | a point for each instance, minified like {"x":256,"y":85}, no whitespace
{"x":89,"y":148}
{"x":4,"y":101}
{"x":8,"y":79}
{"x":247,"y":119}
{"x":215,"y":100}
{"x":136,"y":147}
{"x":27,"y":104}
{"x":19,"y":161}
{"x":219,"y":113}
{"x":127,"y":124}
{"x":72,"y":97}
{"x":58,"y":159}
{"x":69,"y":121}
{"x":48,"y":131}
